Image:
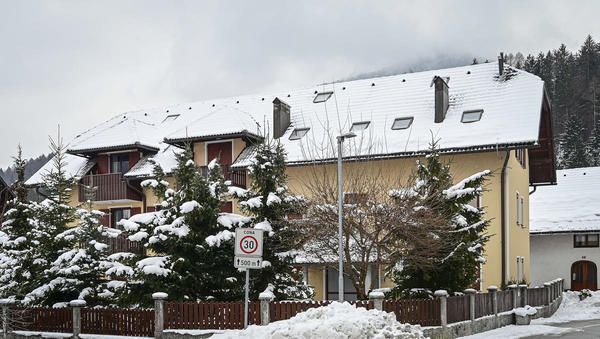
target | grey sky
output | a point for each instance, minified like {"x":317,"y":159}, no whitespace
{"x":77,"y":63}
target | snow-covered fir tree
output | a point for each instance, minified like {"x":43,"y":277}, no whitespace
{"x":268,"y":202}
{"x":16,"y":239}
{"x":573,"y":145}
{"x":593,"y":146}
{"x":456,"y":269}
{"x":178,"y":260}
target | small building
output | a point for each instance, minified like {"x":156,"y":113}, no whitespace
{"x":565,"y":229}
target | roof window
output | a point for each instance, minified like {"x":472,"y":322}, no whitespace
{"x":298,"y":133}
{"x":471,"y":116}
{"x":171,"y":117}
{"x":322,"y":97}
{"x":359,"y":126}
{"x":402,"y":123}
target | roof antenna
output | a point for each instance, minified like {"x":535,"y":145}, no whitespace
{"x":501,"y":63}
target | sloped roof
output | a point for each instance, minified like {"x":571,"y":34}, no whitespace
{"x":570,"y":206}
{"x":165,"y":157}
{"x":75,"y":167}
{"x":511,"y":107}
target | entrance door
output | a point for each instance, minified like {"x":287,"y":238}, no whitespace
{"x":584,"y":275}
{"x":221,"y":150}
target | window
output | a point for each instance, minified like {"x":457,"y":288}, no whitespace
{"x":298,"y":133}
{"x":322,"y":97}
{"x":171,"y":117}
{"x":119,"y":163}
{"x":520,"y":155}
{"x":117,"y":214}
{"x":471,"y":116}
{"x":523,"y":268}
{"x":518,"y":215}
{"x":402,"y":123}
{"x":585,"y":240}
{"x":522,"y":212}
{"x":475,"y":202}
{"x":359,"y":126}
{"x":518,"y":269}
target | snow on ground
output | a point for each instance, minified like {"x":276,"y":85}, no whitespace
{"x":337,"y":320}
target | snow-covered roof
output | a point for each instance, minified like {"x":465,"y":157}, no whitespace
{"x":165,"y":157}
{"x":511,"y":107}
{"x":75,"y":167}
{"x":570,"y":206}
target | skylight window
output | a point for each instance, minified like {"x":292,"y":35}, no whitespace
{"x":171,"y":117}
{"x":402,"y":123}
{"x":298,"y":133}
{"x":322,"y":97}
{"x":471,"y":116}
{"x":359,"y":126}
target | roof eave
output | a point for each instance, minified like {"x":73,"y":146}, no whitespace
{"x":241,"y":134}
{"x":87,"y":152}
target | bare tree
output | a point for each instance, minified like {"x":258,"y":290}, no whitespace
{"x":384,"y":219}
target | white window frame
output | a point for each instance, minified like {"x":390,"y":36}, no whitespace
{"x":522,"y":268}
{"x":216,"y":142}
{"x":518,"y":216}
{"x":522,"y":212}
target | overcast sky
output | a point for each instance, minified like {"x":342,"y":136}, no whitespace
{"x":77,"y":63}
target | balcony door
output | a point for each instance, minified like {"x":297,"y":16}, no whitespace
{"x":119,"y":163}
{"x":221,"y":150}
{"x":584,"y":274}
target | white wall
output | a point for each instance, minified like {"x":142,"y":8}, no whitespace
{"x":553,"y":254}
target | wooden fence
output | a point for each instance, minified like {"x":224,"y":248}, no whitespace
{"x":42,"y":319}
{"x":129,"y":322}
{"x":505,"y":301}
{"x":537,"y":296}
{"x":458,"y":308}
{"x":484,"y":304}
{"x":210,"y":315}
{"x":424,"y":312}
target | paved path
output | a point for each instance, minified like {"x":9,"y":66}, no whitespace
{"x":587,"y":329}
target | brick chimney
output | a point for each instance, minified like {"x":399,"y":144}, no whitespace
{"x":281,"y":118}
{"x":441,"y":97}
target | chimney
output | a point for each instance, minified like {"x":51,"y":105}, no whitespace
{"x":501,"y":63}
{"x":441,"y":97}
{"x":281,"y":118}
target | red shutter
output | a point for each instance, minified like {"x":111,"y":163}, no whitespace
{"x":134,"y":157}
{"x":105,"y":219}
{"x":102,"y":164}
{"x":226,"y":207}
{"x":136,"y":210}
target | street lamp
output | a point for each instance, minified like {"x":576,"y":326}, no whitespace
{"x":340,"y":141}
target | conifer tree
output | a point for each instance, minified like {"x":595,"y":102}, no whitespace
{"x":457,"y":269}
{"x":573,"y":145}
{"x":268,"y":202}
{"x":593,"y":146}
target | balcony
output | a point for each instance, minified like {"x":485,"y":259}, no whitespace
{"x":237,"y":176}
{"x":109,"y":187}
{"x":122,"y":244}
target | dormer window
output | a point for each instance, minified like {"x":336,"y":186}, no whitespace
{"x":402,"y":123}
{"x":298,"y":133}
{"x":471,"y":116}
{"x":322,"y":97}
{"x":359,"y":126}
{"x":171,"y":117}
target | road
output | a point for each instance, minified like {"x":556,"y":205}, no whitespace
{"x":586,"y":329}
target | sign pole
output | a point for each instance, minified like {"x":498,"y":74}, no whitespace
{"x":246,"y":298}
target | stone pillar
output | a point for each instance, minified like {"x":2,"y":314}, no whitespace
{"x":524,"y":297}
{"x":515,"y":295}
{"x":442,"y":295}
{"x":77,"y":305}
{"x":547,"y":286}
{"x":377,"y":298}
{"x":5,"y":304}
{"x":471,"y":293}
{"x":494,"y":291}
{"x":159,"y":313}
{"x":265,"y":301}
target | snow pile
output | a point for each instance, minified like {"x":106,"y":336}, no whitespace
{"x":525,"y":311}
{"x":338,"y":320}
{"x":573,"y":309}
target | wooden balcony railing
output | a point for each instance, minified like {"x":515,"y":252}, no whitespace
{"x":237,"y":176}
{"x":122,"y":244}
{"x":109,"y":187}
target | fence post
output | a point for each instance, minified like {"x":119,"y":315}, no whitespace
{"x":548,"y":293}
{"x":159,"y":313}
{"x":524,"y":296}
{"x":77,"y":305}
{"x":5,"y":303}
{"x":515,"y":294}
{"x":494,"y":291}
{"x":377,"y":298}
{"x":442,"y":295}
{"x":265,"y":301}
{"x":471,"y":293}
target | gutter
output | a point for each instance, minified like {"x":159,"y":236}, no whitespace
{"x":503,"y":218}
{"x":534,"y":189}
{"x":141,"y":193}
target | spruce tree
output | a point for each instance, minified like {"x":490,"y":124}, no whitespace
{"x":573,"y":145}
{"x":593,"y":146}
{"x":457,"y":268}
{"x":268,"y":202}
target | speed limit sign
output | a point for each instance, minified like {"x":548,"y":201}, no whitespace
{"x":248,"y":242}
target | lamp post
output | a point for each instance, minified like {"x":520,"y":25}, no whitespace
{"x":340,"y":141}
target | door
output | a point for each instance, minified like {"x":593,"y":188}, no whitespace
{"x":584,"y":275}
{"x":221,"y":150}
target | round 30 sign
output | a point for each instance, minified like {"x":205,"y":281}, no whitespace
{"x":249,"y":242}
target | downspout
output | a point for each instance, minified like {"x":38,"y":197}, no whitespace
{"x":533,"y":191}
{"x":503,"y":218}
{"x":138,"y":192}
